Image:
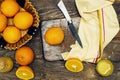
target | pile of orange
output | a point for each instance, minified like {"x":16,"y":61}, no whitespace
{"x":14,"y":20}
{"x":24,"y":56}
{"x":11,"y":16}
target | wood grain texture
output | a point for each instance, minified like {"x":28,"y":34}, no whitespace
{"x":45,"y":70}
{"x":48,"y":9}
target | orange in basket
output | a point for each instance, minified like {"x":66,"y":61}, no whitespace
{"x":3,"y":22}
{"x":54,"y":35}
{"x":11,"y":34}
{"x":25,"y":72}
{"x":9,"y":8}
{"x":23,"y":20}
{"x":24,"y":55}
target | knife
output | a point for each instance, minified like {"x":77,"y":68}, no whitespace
{"x":70,"y":23}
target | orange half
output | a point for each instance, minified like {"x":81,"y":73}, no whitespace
{"x":25,"y":72}
{"x":74,"y":65}
{"x":105,"y":67}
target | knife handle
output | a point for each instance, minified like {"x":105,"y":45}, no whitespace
{"x":75,"y":33}
{"x":72,"y":27}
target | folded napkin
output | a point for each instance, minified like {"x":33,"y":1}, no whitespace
{"x":89,"y":29}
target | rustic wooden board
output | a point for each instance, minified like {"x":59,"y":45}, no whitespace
{"x":52,"y":53}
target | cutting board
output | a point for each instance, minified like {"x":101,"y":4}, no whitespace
{"x":53,"y":53}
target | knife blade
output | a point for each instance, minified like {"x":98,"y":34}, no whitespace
{"x":70,"y":23}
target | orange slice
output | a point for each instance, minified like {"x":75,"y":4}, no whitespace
{"x":25,"y":72}
{"x":74,"y":65}
{"x":105,"y":67}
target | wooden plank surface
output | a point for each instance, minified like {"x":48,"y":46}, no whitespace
{"x":51,"y":11}
{"x":45,"y":70}
{"x":48,"y":9}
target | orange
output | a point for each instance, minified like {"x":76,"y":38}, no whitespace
{"x":24,"y":55}
{"x":54,"y":35}
{"x":23,"y":20}
{"x":24,"y":73}
{"x":6,"y":64}
{"x":105,"y":67}
{"x":3,"y":22}
{"x":74,"y":65}
{"x":9,"y":8}
{"x":11,"y":34}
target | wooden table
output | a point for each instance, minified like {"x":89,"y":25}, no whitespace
{"x":45,"y":70}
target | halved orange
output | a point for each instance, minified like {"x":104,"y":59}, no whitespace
{"x":74,"y":65}
{"x":6,"y":64}
{"x":105,"y":67}
{"x":25,"y":72}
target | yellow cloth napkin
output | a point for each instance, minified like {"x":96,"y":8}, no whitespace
{"x":89,"y":30}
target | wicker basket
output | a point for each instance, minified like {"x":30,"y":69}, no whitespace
{"x":27,"y":34}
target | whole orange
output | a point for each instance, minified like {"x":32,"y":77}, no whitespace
{"x":3,"y":22}
{"x":23,"y":20}
{"x":9,"y":8}
{"x":11,"y":34}
{"x":24,"y":55}
{"x":54,"y":35}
